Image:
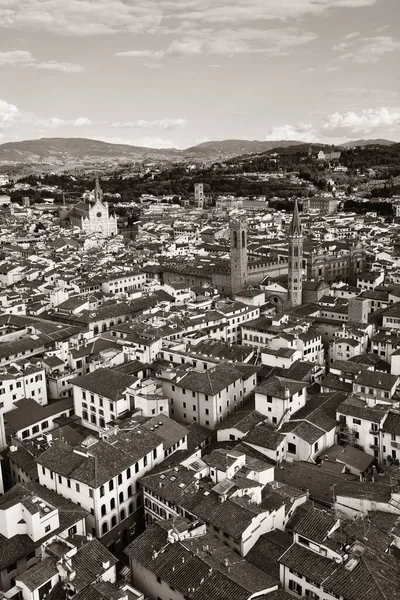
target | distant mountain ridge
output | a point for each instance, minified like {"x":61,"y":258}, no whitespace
{"x":363,"y":143}
{"x":65,"y":151}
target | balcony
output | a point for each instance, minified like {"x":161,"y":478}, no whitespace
{"x":395,"y":444}
{"x":374,"y":446}
{"x":374,"y":431}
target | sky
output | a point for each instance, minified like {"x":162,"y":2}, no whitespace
{"x":175,"y":73}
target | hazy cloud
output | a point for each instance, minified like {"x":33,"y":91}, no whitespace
{"x":11,"y":116}
{"x":302,"y":131}
{"x":368,"y":120}
{"x":23,"y":58}
{"x":368,"y":50}
{"x":156,"y":124}
{"x":85,"y":17}
{"x":228,"y":42}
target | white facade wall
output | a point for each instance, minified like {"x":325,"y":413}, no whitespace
{"x":96,"y":411}
{"x":275,"y":409}
{"x":108,"y":507}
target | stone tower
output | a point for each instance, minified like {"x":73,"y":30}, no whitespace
{"x":199,"y":195}
{"x":238,"y":229}
{"x":295,"y":271}
{"x":98,"y":192}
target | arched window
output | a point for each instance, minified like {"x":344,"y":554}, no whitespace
{"x":243,"y":239}
{"x":103,"y":510}
{"x":122,"y":514}
{"x":112,"y":503}
{"x":121,"y":496}
{"x":130,"y":508}
{"x":104,"y":528}
{"x":235,"y":239}
{"x":129,"y":490}
{"x":96,"y":330}
{"x":104,"y":327}
{"x":113,"y":521}
{"x":102,"y":491}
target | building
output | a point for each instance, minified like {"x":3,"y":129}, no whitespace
{"x":199,"y":195}
{"x":94,"y":217}
{"x":102,"y":475}
{"x":31,"y":516}
{"x":181,"y":560}
{"x":295,"y":268}
{"x":239,"y":261}
{"x":278,"y":398}
{"x":208,"y":396}
{"x":323,"y":204}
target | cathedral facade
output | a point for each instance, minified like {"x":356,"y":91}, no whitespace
{"x":94,"y":217}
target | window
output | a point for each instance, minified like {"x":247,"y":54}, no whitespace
{"x":47,"y":528}
{"x":128,"y":473}
{"x":295,"y":587}
{"x":145,"y":461}
{"x":78,"y":489}
{"x":113,"y":521}
{"x":45,"y":424}
{"x":120,"y":479}
{"x":111,"y":485}
{"x":72,"y":530}
{"x":101,"y":491}
{"x":155,"y":453}
{"x":357,"y":421}
{"x":104,"y":528}
{"x":112,"y":503}
{"x":291,"y":448}
{"x":122,"y":516}
{"x":103,"y":510}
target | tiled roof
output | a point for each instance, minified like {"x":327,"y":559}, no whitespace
{"x":267,"y":550}
{"x":212,"y":381}
{"x":278,"y":386}
{"x":105,"y":382}
{"x":264,"y":436}
{"x":316,"y":525}
{"x":28,"y":412}
{"x":392,"y":423}
{"x":88,"y":563}
{"x":243,"y":420}
{"x":100,"y":462}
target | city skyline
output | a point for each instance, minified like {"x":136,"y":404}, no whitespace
{"x":168,"y":74}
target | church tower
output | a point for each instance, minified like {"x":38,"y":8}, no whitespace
{"x":295,"y":271}
{"x":238,"y":231}
{"x":98,"y":192}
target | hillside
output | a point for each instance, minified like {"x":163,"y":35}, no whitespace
{"x":238,"y":147}
{"x":68,"y":151}
{"x":363,"y":143}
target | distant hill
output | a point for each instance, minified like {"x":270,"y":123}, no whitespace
{"x":68,"y":151}
{"x":238,"y":147}
{"x":363,"y":143}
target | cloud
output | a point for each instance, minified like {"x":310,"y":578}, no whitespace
{"x":8,"y":114}
{"x":103,"y":17}
{"x":156,"y":124}
{"x":142,"y":54}
{"x":368,"y":50}
{"x":12,"y":117}
{"x":228,"y":42}
{"x":368,"y":120}
{"x":23,"y":58}
{"x":302,"y":131}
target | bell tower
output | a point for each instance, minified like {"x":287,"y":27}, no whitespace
{"x":238,"y":231}
{"x":295,"y":270}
